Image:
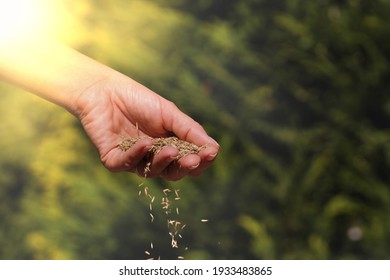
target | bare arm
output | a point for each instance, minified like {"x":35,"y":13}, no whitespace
{"x":108,"y":104}
{"x":49,"y":69}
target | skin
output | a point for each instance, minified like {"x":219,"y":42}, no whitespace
{"x":109,"y":106}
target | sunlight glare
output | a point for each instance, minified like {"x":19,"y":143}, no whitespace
{"x":29,"y":17}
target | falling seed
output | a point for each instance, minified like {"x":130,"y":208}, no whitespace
{"x":166,"y":203}
{"x":176,"y":224}
{"x":204,"y":220}
{"x":180,"y":258}
{"x":147,"y":169}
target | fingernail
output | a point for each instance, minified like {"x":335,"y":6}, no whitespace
{"x":215,"y":142}
{"x":211,"y":157}
{"x":194,"y":166}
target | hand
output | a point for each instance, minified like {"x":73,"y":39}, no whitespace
{"x":120,"y":107}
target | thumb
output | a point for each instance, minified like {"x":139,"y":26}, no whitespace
{"x":185,"y":127}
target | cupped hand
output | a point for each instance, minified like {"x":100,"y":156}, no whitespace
{"x":119,"y":107}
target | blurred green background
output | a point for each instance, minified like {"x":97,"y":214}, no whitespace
{"x":296,"y":92}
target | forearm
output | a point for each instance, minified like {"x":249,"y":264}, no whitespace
{"x":50,"y":69}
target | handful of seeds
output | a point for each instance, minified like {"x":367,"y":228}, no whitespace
{"x":184,"y":147}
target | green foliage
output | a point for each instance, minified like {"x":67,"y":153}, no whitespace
{"x":295,"y":92}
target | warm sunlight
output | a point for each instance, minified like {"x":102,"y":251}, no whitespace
{"x":30,"y":17}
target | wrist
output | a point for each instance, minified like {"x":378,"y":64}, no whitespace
{"x":82,"y":98}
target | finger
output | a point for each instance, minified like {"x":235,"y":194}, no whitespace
{"x":178,"y":169}
{"x":133,"y":156}
{"x":185,"y":127}
{"x":207,"y":156}
{"x":159,"y":162}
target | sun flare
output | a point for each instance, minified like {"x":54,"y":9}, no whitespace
{"x":30,"y":17}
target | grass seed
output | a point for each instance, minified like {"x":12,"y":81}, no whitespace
{"x":184,"y":147}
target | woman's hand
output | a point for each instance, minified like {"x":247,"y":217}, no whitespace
{"x":117,"y":107}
